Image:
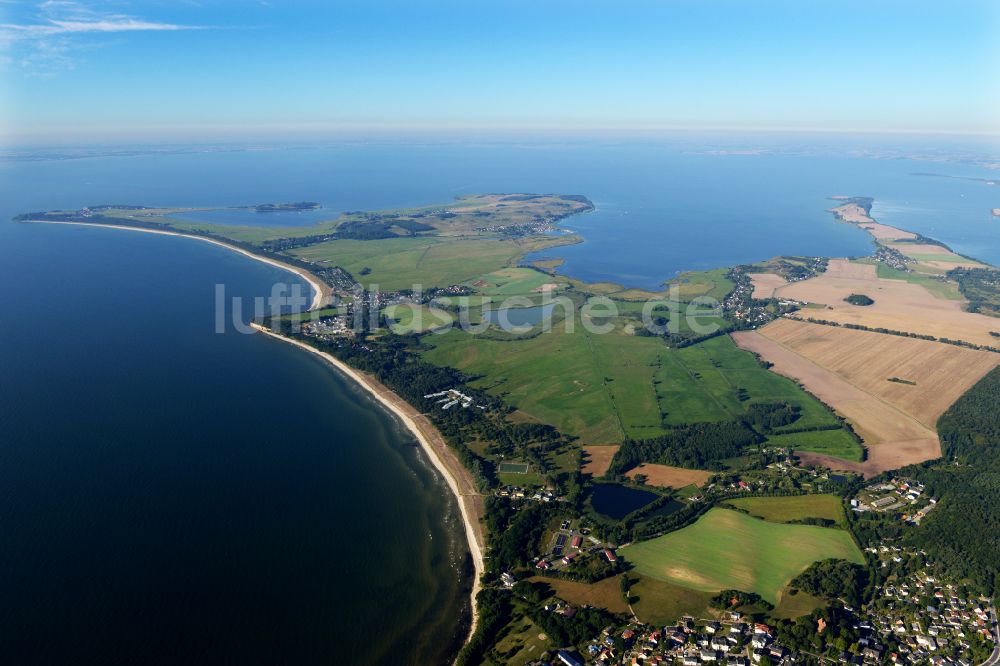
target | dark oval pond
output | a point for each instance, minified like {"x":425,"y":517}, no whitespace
{"x":616,"y":501}
{"x":665,"y":510}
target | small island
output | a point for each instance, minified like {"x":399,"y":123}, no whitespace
{"x":276,"y":207}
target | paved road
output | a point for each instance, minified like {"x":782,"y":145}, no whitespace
{"x":994,"y":659}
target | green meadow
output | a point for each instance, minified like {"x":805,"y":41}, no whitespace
{"x":837,"y":443}
{"x":727,"y":549}
{"x":605,"y":387}
{"x":792,"y":508}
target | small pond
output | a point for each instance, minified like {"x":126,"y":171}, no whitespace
{"x":616,"y":501}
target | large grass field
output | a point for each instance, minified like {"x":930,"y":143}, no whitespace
{"x":597,"y":387}
{"x":727,"y":549}
{"x":411,"y":318}
{"x":602,"y":388}
{"x":514,"y":281}
{"x":702,"y":383}
{"x":837,"y":443}
{"x":787,"y":509}
{"x":402,"y":263}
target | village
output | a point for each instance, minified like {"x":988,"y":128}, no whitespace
{"x":928,"y":619}
{"x":904,"y":496}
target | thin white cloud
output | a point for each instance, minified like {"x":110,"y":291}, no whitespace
{"x":108,"y":24}
{"x":43,"y":44}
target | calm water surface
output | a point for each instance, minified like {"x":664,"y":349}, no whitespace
{"x":617,"y":501}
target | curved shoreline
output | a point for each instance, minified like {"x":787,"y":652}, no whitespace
{"x":444,"y":460}
{"x":459,"y":480}
{"x":322,"y":293}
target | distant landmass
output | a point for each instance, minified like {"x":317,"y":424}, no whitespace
{"x":275,"y":207}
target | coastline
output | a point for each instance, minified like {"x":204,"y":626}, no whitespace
{"x":322,"y":292}
{"x":444,"y":460}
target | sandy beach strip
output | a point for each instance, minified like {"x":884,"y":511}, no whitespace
{"x":441,"y":456}
{"x":322,"y":292}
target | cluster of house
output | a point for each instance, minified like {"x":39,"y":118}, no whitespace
{"x":519,"y":493}
{"x":451,"y":397}
{"x":327,"y":327}
{"x":569,"y":546}
{"x":894,"y":495}
{"x":730,"y":642}
{"x":931,"y":621}
{"x":892,"y":258}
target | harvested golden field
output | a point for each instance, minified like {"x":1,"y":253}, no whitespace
{"x":848,"y":270}
{"x":666,"y":476}
{"x":899,"y":305}
{"x":885,"y":232}
{"x":851,"y":371}
{"x":764,"y":284}
{"x":937,"y":257}
{"x":942,"y":373}
{"x":851,"y":212}
{"x":597,"y":459}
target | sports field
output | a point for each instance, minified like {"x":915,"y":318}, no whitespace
{"x":727,"y":549}
{"x":788,"y":509}
{"x":513,"y":468}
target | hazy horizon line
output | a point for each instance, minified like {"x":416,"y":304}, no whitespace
{"x":207,"y":135}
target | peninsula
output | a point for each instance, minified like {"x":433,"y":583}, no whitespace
{"x":614,"y":469}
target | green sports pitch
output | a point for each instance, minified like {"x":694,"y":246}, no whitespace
{"x":513,"y":468}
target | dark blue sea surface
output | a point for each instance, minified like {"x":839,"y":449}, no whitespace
{"x":173,"y":495}
{"x":170,"y":495}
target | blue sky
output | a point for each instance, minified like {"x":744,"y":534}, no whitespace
{"x":176,"y":68}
